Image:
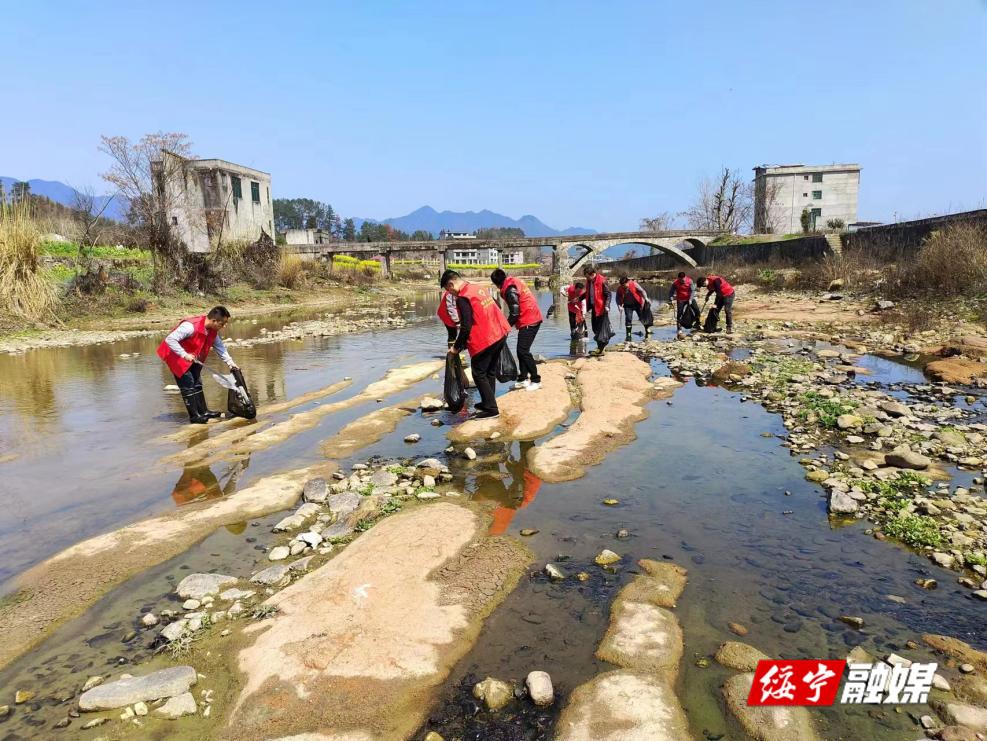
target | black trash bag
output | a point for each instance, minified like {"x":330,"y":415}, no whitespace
{"x":712,"y":321}
{"x":239,"y":402}
{"x":454,"y":389}
{"x":506,"y":370}
{"x":647,"y":316}
{"x":689,"y":318}
{"x":605,"y":333}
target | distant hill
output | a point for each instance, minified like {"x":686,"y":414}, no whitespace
{"x":66,"y":195}
{"x":430,"y":220}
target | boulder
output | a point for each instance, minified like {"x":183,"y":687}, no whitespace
{"x":289,"y":523}
{"x":905,"y":457}
{"x":197,"y":586}
{"x":841,"y":503}
{"x":961,"y":714}
{"x":273,"y":576}
{"x":176,"y":707}
{"x":279,"y":553}
{"x":316,"y":490}
{"x":955,"y":370}
{"x":724,"y":372}
{"x":540,"y":688}
{"x":494,"y":693}
{"x":431,"y":404}
{"x":849,"y":422}
{"x":384,"y":478}
{"x":344,"y":503}
{"x":894,"y":408}
{"x":164,"y":683}
{"x":740,"y":656}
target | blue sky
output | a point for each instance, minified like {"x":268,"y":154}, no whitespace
{"x":582,"y":113}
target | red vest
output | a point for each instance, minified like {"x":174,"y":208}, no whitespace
{"x":443,"y":311}
{"x":725,"y":288}
{"x":199,"y":345}
{"x":530,"y":313}
{"x":575,"y":297}
{"x":489,"y":324}
{"x":633,"y":289}
{"x":682,"y":288}
{"x":597,"y":281}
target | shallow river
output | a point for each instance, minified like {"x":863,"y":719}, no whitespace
{"x":701,"y":485}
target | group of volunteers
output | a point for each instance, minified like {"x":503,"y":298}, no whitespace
{"x":475,"y":322}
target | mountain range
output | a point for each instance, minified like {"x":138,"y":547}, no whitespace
{"x":433,"y":221}
{"x":426,"y":217}
{"x":67,"y":195}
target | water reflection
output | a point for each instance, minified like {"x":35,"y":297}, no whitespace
{"x":198,"y":483}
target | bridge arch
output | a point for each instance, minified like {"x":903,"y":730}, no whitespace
{"x":592,"y":248}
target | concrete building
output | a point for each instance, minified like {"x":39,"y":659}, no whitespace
{"x":211,"y":201}
{"x":782,"y":192}
{"x":484,"y":256}
{"x":307,"y":236}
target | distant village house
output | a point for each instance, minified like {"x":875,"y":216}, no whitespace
{"x":827,"y":193}
{"x":208,"y":202}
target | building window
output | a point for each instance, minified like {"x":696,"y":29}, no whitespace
{"x":268,"y":190}
{"x":816,"y":213}
{"x":237,"y":188}
{"x":805,"y":177}
{"x":817,"y":177}
{"x":174,"y":221}
{"x":805,"y":195}
{"x":817,"y":195}
{"x":255,"y":192}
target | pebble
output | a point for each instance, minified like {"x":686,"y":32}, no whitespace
{"x":966,"y":668}
{"x":737,"y":629}
{"x":4,"y":711}
{"x":623,"y":533}
{"x":606,"y":557}
{"x":412,"y":438}
{"x":495,"y":693}
{"x":852,"y":621}
{"x":149,"y":620}
{"x":611,"y":502}
{"x":470,"y":454}
{"x":93,"y":681}
{"x":94,"y":723}
{"x":191,"y":604}
{"x":554,"y":572}
{"x":528,"y":531}
{"x":22,"y":696}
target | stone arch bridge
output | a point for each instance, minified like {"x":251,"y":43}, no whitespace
{"x":569,"y":252}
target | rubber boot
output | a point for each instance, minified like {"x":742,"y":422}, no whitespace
{"x":201,"y":404}
{"x":628,"y":335}
{"x":190,"y":398}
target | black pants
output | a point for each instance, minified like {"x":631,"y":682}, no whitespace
{"x":190,"y":381}
{"x":629,"y":310}
{"x":484,"y":365}
{"x":576,"y":325}
{"x":725,"y":304}
{"x":526,"y":361}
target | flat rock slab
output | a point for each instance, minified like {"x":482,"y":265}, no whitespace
{"x":178,"y":706}
{"x":367,"y":430}
{"x":767,"y":723}
{"x":662,"y":586}
{"x":642,"y":636}
{"x":344,"y":503}
{"x":169,"y":682}
{"x":614,"y":390}
{"x":376,"y":629}
{"x":525,"y":415}
{"x":623,"y":706}
{"x":197,"y":586}
{"x":273,"y":575}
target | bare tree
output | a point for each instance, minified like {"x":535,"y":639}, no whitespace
{"x":766,"y":219}
{"x":87,"y":232}
{"x":140,"y":174}
{"x":660,"y":222}
{"x":723,"y":204}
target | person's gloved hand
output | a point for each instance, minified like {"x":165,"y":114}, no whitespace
{"x":189,"y":357}
{"x":233,"y":366}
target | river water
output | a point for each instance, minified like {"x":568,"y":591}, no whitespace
{"x":703,"y":485}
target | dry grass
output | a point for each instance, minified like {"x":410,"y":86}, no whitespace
{"x":952,"y":261}
{"x":291,"y":272}
{"x":24,"y":291}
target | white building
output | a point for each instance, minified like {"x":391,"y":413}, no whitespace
{"x":783,"y":192}
{"x":484,"y":256}
{"x":207,"y":202}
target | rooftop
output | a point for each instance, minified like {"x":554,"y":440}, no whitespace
{"x":793,"y":169}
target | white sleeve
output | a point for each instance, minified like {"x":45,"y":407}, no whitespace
{"x":182,"y":332}
{"x":220,"y":349}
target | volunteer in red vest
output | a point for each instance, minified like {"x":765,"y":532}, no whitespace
{"x":633,"y":298}
{"x":192,"y":340}
{"x":598,"y":307}
{"x":683,"y":292}
{"x":449,"y":315}
{"x":483,"y":331}
{"x":523,"y":313}
{"x":724,"y":295}
{"x":575,"y":297}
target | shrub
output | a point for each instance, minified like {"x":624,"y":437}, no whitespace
{"x":835,"y":224}
{"x":950,"y":261}
{"x":24,"y":289}
{"x":916,"y":530}
{"x":291,"y":273}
